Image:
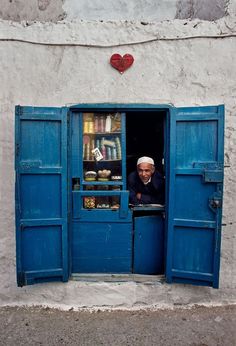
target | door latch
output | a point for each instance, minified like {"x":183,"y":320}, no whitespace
{"x":215,"y":202}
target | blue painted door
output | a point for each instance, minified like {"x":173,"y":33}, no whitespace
{"x":41,"y":194}
{"x":148,"y":245}
{"x":195,"y":195}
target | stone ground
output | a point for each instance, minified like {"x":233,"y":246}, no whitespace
{"x":198,"y":326}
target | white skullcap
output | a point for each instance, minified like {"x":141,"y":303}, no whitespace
{"x":145,"y":159}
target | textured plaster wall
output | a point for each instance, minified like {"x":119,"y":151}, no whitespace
{"x":32,"y":10}
{"x":151,"y":10}
{"x":202,"y":9}
{"x":180,"y":62}
{"x":148,"y":10}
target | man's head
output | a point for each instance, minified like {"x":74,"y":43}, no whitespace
{"x":145,"y":168}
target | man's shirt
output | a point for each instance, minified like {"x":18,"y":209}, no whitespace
{"x":151,"y":193}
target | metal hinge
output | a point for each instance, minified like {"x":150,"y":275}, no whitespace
{"x":213,"y":176}
{"x":212,"y":172}
{"x":19,"y":110}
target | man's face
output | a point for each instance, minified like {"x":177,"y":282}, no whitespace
{"x":145,"y":171}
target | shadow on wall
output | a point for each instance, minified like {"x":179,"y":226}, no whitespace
{"x":32,"y":10}
{"x":54,"y":10}
{"x":201,"y":9}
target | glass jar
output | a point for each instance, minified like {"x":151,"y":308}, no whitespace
{"x":89,"y":201}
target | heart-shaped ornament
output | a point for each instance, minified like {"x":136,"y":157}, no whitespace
{"x":121,"y":63}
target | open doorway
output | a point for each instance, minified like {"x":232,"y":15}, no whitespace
{"x":145,"y":136}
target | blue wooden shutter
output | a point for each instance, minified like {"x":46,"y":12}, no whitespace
{"x":41,"y":195}
{"x":195,"y":195}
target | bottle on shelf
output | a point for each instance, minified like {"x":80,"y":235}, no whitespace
{"x":116,"y":122}
{"x":113,"y":154}
{"x":88,"y":120}
{"x":104,"y":152}
{"x":87,"y":151}
{"x":109,"y":157}
{"x":85,"y":125}
{"x":96,"y":124}
{"x":76,"y":186}
{"x":98,"y":144}
{"x":103,"y":148}
{"x":118,"y":148}
{"x":91,"y":125}
{"x":102,"y":124}
{"x":92,"y":147}
{"x":108,"y":124}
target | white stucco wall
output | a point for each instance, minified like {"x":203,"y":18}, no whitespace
{"x":180,"y":62}
{"x":120,"y":10}
{"x":147,"y":10}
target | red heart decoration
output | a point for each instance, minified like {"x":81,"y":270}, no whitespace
{"x":121,"y":63}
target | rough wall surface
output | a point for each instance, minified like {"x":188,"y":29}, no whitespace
{"x":148,"y":10}
{"x":202,"y":9}
{"x":180,"y":62}
{"x":32,"y":10}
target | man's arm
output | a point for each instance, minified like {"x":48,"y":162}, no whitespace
{"x":153,"y":194}
{"x":134,"y":195}
{"x":159,"y":185}
{"x":147,"y":199}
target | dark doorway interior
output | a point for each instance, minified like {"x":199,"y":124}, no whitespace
{"x":145,"y":137}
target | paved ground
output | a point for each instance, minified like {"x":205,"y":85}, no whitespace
{"x":198,"y":326}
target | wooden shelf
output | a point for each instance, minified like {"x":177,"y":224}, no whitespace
{"x":101,"y":160}
{"x":101,"y":133}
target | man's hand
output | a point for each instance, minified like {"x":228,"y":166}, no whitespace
{"x":138,"y":195}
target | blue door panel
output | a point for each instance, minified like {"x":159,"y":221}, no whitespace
{"x":195,"y":141}
{"x":41,"y":142}
{"x":41,"y":195}
{"x":196,"y":244}
{"x":195,"y":195}
{"x":114,"y":265}
{"x":191,"y":200}
{"x":101,"y":247}
{"x":41,"y":248}
{"x":149,"y":245}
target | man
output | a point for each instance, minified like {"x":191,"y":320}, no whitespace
{"x":146,"y":185}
